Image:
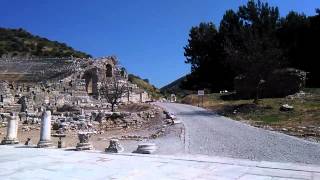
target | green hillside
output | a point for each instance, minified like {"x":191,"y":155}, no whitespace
{"x":144,"y":84}
{"x":19,"y":42}
{"x":176,"y":88}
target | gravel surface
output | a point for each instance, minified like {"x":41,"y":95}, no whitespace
{"x":168,"y":144}
{"x":210,"y":134}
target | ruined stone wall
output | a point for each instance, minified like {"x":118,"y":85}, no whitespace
{"x":5,"y":94}
{"x":60,"y":82}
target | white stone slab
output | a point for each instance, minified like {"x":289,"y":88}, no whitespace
{"x":34,"y":163}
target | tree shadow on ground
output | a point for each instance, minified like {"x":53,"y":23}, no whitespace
{"x":197,"y":113}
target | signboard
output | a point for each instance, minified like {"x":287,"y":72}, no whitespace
{"x":200,"y":92}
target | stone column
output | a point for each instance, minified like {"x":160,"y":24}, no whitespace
{"x":45,"y":131}
{"x":84,"y":143}
{"x":12,"y":130}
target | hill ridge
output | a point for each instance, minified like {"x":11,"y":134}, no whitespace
{"x":21,"y":43}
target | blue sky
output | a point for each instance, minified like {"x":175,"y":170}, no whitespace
{"x":148,"y":36}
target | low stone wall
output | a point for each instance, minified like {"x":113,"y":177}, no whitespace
{"x":101,"y":121}
{"x":128,"y":120}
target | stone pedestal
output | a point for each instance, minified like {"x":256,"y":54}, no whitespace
{"x":61,"y":144}
{"x":45,"y":131}
{"x":84,"y":141}
{"x":12,"y":130}
{"x":60,"y":135}
{"x":146,"y":148}
{"x":23,"y":116}
{"x":114,"y":146}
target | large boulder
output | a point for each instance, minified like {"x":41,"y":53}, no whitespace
{"x":279,"y":83}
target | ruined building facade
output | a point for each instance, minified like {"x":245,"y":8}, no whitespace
{"x":60,"y":81}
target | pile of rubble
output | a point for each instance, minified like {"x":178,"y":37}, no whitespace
{"x":302,"y":131}
{"x":171,"y":118}
{"x":125,"y":120}
{"x":298,"y":95}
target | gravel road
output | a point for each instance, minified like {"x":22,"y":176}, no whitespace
{"x":210,"y":134}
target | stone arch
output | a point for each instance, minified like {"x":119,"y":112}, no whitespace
{"x":90,"y":86}
{"x":109,"y":70}
{"x":91,"y":80}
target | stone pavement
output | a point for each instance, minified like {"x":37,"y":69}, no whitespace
{"x":18,"y":162}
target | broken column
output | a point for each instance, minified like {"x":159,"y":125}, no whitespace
{"x":114,"y":146}
{"x":84,"y":141}
{"x":12,"y":130}
{"x":60,"y":134}
{"x":23,"y":103}
{"x":45,"y":131}
{"x":146,"y":148}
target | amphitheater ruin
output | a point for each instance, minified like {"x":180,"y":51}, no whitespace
{"x":65,"y":94}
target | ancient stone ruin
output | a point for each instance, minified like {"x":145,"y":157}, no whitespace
{"x":12,"y":131}
{"x":114,"y":146}
{"x":45,"y":132}
{"x":84,"y":143}
{"x":65,"y":94}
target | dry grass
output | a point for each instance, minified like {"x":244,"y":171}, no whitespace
{"x":306,"y":113}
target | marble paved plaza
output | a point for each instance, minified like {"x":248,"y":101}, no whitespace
{"x":17,"y":162}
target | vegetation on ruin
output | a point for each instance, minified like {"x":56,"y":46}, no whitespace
{"x":145,"y":84}
{"x":20,"y":43}
{"x":112,"y":90}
